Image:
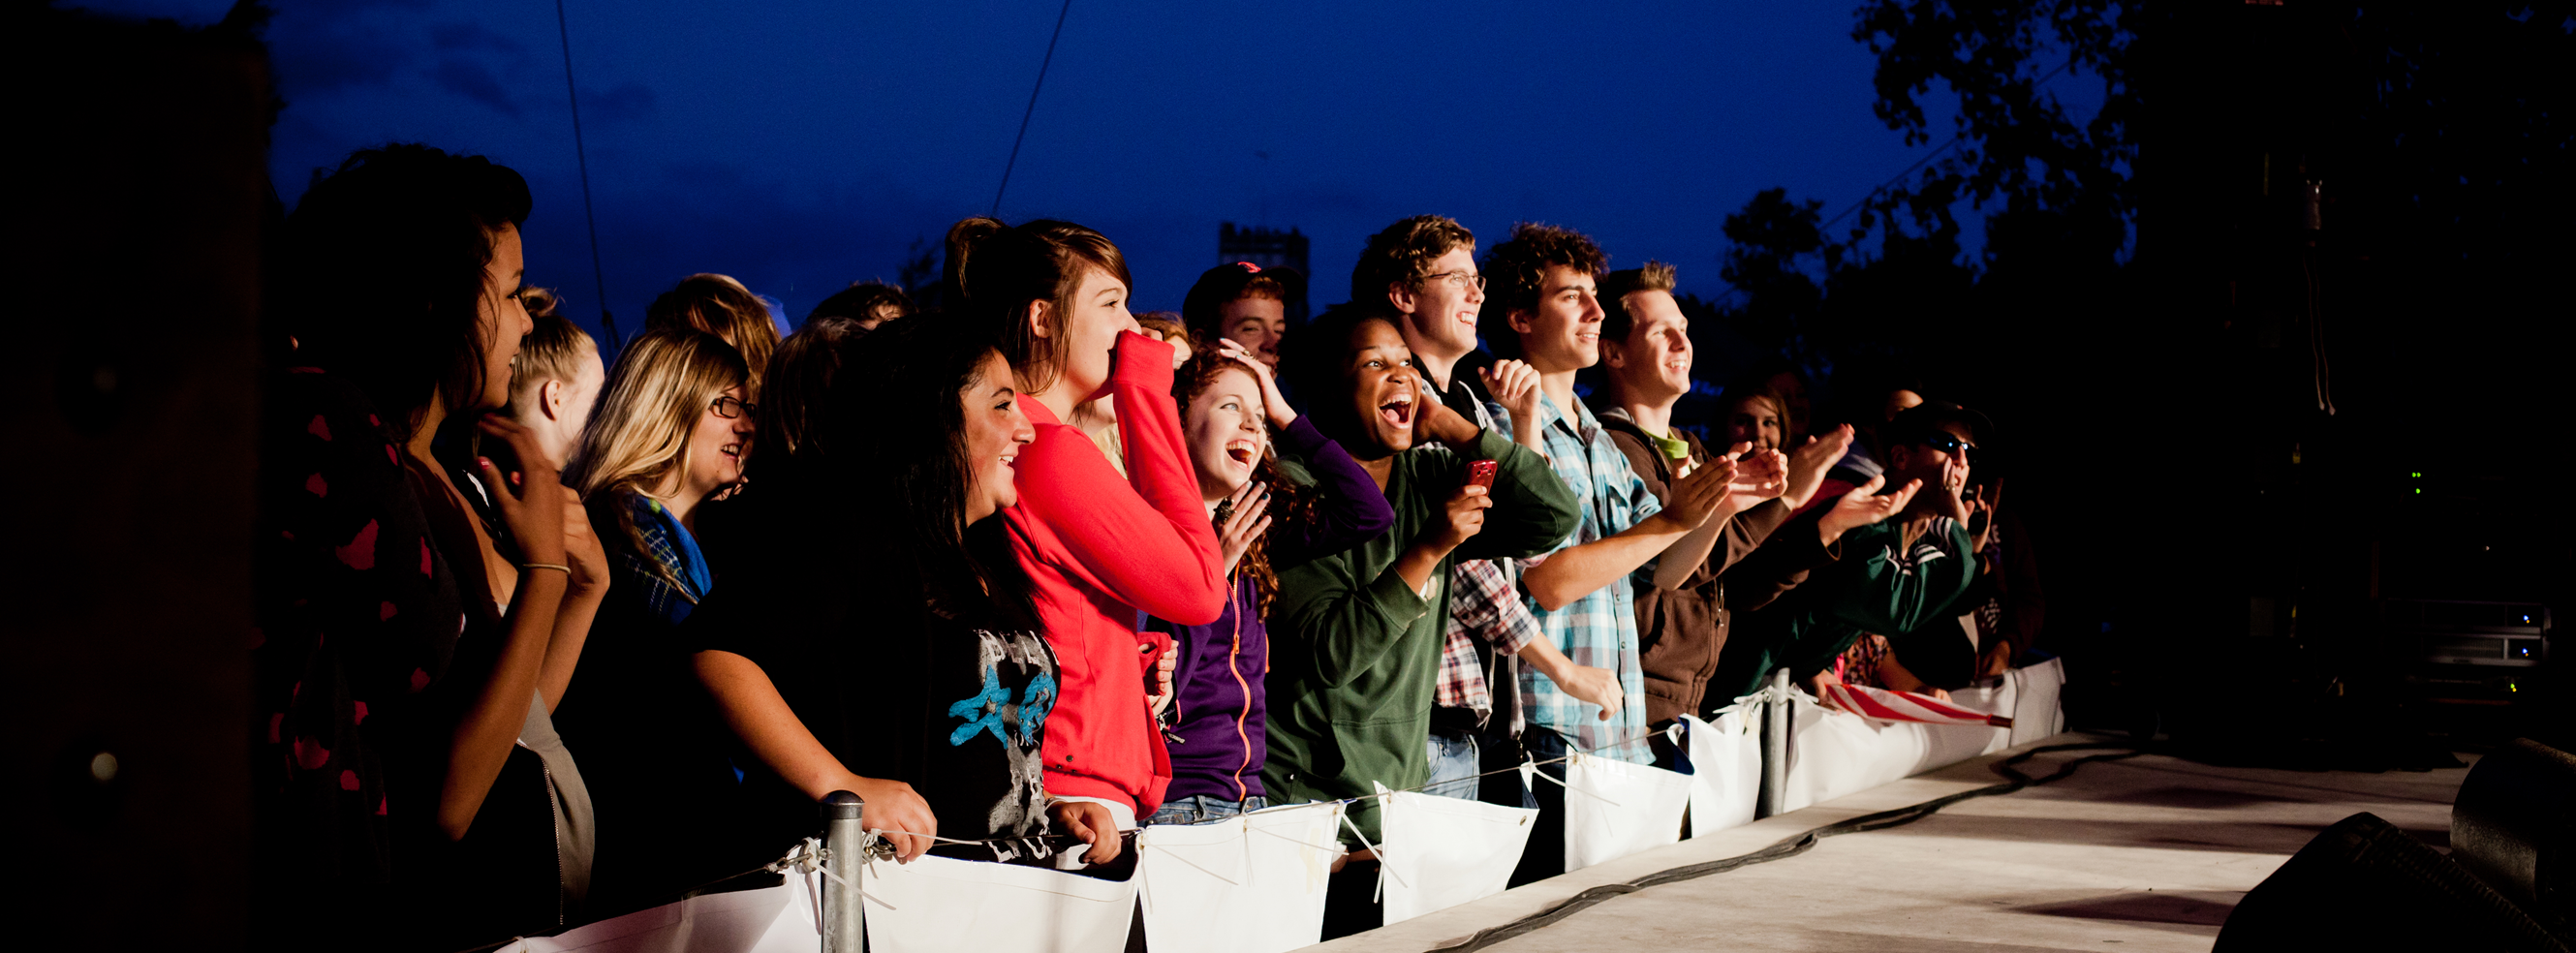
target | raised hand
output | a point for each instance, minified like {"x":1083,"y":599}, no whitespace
{"x":1759,"y":475}
{"x":1700,"y":494}
{"x":1819,"y":453}
{"x":1244,"y":521}
{"x":1863,"y":506}
{"x":1945,"y":499}
{"x":1274,"y":406}
{"x":532,"y":504}
{"x":1515,"y":385}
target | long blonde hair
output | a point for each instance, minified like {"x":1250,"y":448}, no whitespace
{"x":638,"y":435}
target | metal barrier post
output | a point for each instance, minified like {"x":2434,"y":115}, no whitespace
{"x":844,"y":923}
{"x":1775,"y":745}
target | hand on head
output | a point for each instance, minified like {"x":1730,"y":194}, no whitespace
{"x":1274,"y":406}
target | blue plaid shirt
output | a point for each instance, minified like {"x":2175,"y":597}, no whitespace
{"x":1600,"y":629}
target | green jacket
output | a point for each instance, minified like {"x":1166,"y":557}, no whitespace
{"x":1355,"y":652}
{"x":1861,"y":584}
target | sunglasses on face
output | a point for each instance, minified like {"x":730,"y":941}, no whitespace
{"x":1947,"y":444}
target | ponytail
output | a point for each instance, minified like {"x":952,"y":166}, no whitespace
{"x":996,"y":270}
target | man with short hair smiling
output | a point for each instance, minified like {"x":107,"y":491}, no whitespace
{"x":1646,"y":350}
{"x":1545,"y":311}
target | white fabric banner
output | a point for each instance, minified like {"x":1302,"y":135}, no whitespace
{"x":2036,"y":713}
{"x":1247,"y":884}
{"x":936,"y":904}
{"x":1727,"y":756}
{"x":1834,"y":753}
{"x":769,"y":920}
{"x":1614,"y":808}
{"x":1438,"y":852}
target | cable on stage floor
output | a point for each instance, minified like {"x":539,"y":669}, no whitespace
{"x":1789,"y":847}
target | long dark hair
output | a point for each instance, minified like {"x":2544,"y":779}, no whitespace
{"x":997,"y":269}
{"x":895,"y":474}
{"x":381,"y":280}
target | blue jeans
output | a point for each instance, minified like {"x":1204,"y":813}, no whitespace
{"x":1453,"y":765}
{"x":1202,"y":809}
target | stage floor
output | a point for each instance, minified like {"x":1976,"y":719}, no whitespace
{"x":2145,"y":854}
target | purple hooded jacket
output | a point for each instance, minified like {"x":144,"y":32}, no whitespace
{"x":1217,"y":743}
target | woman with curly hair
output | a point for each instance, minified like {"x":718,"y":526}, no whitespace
{"x":1275,"y":504}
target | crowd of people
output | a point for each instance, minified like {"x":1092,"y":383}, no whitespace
{"x":553,"y":631}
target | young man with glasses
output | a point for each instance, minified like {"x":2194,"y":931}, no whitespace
{"x":1546,"y":311}
{"x":1420,"y":273}
{"x":1903,"y":577}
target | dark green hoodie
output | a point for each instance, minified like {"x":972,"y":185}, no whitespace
{"x":1355,"y":652}
{"x":1864,"y":583}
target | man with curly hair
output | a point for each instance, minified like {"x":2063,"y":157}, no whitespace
{"x":1545,"y":309}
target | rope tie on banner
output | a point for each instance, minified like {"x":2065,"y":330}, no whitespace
{"x":1590,"y":794}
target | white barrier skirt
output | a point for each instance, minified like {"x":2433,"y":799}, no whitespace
{"x":2036,"y":713}
{"x":1727,"y":754}
{"x":936,"y":905}
{"x":1833,"y":753}
{"x":1248,"y":884}
{"x":1614,"y":808}
{"x":1438,"y":852}
{"x":776,"y":919}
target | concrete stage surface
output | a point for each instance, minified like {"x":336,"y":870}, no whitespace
{"x":2146,"y":854}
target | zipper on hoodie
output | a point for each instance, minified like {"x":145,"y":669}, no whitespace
{"x":1244,"y":712}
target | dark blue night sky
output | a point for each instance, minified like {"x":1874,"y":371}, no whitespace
{"x":801,"y":147}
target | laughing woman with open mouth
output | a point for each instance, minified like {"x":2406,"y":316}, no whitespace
{"x":668,"y":434}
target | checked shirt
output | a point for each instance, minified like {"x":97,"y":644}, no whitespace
{"x":1600,"y":629}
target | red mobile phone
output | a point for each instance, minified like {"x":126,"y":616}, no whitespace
{"x":1481,"y":473}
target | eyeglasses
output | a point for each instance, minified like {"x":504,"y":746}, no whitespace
{"x":731,"y":409}
{"x":1947,"y":443}
{"x":1460,"y":279}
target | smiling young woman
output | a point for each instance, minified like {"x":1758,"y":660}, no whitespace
{"x":670,"y":431}
{"x":1052,"y":297}
{"x":890,"y":647}
{"x":406,"y":645}
{"x":1280,"y":494}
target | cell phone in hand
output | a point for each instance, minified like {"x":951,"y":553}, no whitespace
{"x":1481,"y":473}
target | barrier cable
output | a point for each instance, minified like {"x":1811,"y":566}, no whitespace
{"x":1033,"y":107}
{"x":581,"y":158}
{"x":1790,"y":847}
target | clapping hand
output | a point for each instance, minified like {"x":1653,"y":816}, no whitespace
{"x":1242,"y":519}
{"x":1864,"y":506}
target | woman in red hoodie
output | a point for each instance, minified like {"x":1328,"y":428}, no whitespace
{"x":1100,"y":548}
